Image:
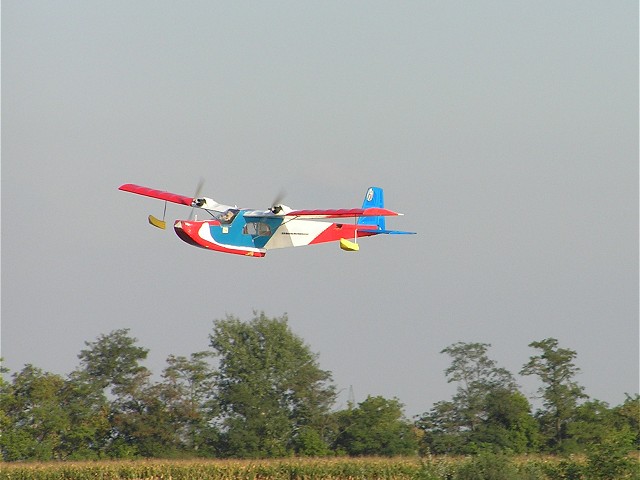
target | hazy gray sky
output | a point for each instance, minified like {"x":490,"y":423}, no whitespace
{"x":506,"y":131}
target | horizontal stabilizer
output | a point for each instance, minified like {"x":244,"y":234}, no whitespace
{"x":387,"y":232}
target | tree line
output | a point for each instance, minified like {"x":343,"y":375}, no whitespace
{"x":259,"y":391}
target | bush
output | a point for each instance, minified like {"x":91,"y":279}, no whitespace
{"x":565,"y":470}
{"x":489,"y":466}
{"x":610,"y":459}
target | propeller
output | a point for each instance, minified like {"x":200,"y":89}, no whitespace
{"x":196,"y":195}
{"x":276,"y":206}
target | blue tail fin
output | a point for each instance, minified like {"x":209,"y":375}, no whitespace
{"x":373,"y":198}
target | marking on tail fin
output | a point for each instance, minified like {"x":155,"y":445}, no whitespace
{"x":370,"y":194}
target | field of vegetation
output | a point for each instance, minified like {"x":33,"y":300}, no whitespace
{"x":259,"y":393}
{"x":487,"y":466}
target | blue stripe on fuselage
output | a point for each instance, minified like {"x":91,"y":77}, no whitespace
{"x":233,"y":234}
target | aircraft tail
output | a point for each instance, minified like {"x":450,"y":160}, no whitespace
{"x":374,"y":198}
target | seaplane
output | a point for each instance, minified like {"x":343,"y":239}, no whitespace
{"x":251,"y":233}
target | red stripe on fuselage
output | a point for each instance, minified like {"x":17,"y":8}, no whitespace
{"x":188,"y":231}
{"x":340,"y":230}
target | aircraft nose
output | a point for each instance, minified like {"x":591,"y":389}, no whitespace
{"x":185,"y":231}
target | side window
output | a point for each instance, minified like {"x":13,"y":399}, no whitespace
{"x":256,"y":229}
{"x":264,"y":230}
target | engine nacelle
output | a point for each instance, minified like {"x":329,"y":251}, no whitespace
{"x":280,"y":209}
{"x":210,"y":204}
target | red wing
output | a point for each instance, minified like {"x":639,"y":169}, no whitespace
{"x":343,"y":213}
{"x":150,"y":192}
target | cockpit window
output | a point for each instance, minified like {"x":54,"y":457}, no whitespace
{"x":228,"y":216}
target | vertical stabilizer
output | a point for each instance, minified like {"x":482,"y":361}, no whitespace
{"x":373,"y":198}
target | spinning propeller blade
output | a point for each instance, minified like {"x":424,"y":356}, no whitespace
{"x":276,"y":204}
{"x":197,"y":194}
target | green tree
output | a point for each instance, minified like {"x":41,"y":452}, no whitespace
{"x":376,"y":427}
{"x":476,"y":375}
{"x":146,"y":426}
{"x":88,"y":412}
{"x":471,"y":418}
{"x":627,"y":415}
{"x":600,"y":430}
{"x":7,"y":443}
{"x":610,"y":459}
{"x":34,"y":416}
{"x":591,"y":423}
{"x":508,"y":425}
{"x":268,"y":385}
{"x":111,"y":367}
{"x":441,"y":427}
{"x":560,"y":393}
{"x":187,"y":391}
{"x":112,"y":363}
